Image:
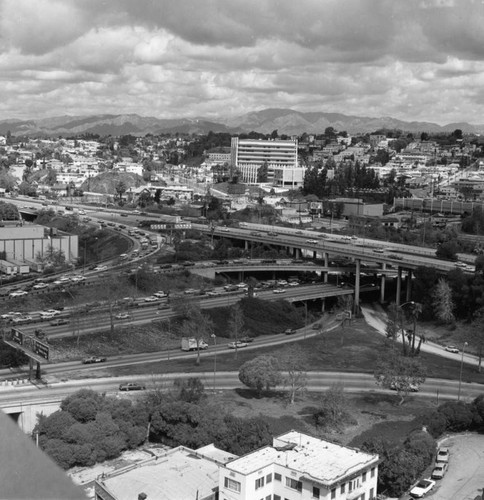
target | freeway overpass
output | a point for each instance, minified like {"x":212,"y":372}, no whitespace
{"x":394,"y":257}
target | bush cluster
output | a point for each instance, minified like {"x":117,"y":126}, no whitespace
{"x":90,"y":427}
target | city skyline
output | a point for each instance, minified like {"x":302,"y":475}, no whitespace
{"x":417,"y":60}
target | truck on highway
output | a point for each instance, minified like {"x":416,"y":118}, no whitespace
{"x":190,"y":344}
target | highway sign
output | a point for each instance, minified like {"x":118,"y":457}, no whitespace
{"x":158,"y":226}
{"x":41,"y":349}
{"x":186,"y":225}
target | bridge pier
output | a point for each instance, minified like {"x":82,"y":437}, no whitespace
{"x":357,"y":287}
{"x":323,"y":305}
{"x":246,"y":244}
{"x":326,"y":264}
{"x":409,"y":286}
{"x":399,"y":286}
{"x":382,"y":284}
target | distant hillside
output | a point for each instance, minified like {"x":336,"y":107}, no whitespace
{"x":106,"y":182}
{"x":285,"y":121}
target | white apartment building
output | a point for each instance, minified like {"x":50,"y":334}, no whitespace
{"x":300,"y":467}
{"x":248,"y":155}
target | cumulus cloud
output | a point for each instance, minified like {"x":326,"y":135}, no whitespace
{"x":217,"y":57}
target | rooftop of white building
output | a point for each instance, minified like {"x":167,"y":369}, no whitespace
{"x":181,"y":473}
{"x":322,"y":461}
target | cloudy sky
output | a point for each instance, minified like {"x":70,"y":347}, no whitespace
{"x":410,"y":59}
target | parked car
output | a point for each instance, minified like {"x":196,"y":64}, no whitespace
{"x":423,"y":487}
{"x":443,"y":455}
{"x":237,"y":345}
{"x":132,"y":386}
{"x":439,"y":470}
{"x":452,"y":348}
{"x":93,"y":359}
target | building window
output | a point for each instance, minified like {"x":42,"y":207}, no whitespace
{"x":362,"y":497}
{"x":371,"y":494}
{"x":232,"y":485}
{"x":333,"y":493}
{"x":259,"y":483}
{"x":269,"y":478}
{"x":277,"y":497}
{"x":292,"y":483}
{"x":315,"y":492}
{"x":343,"y":488}
{"x":364,"y":477}
{"x":277,"y":477}
{"x":268,"y":497}
{"x":373,"y":472}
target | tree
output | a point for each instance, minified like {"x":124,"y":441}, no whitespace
{"x":262,"y":172}
{"x":191,"y":390}
{"x":442,"y":301}
{"x":448,"y":250}
{"x":236,"y":324}
{"x":476,"y":335}
{"x":260,"y":373}
{"x":294,"y":361}
{"x":196,"y":324}
{"x":400,"y":373}
{"x":120,"y":189}
{"x":333,"y":409}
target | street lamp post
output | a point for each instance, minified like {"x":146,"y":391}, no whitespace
{"x":461,"y":367}
{"x":214,"y":359}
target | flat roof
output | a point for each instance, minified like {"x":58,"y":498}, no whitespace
{"x":323,"y":461}
{"x":181,"y":473}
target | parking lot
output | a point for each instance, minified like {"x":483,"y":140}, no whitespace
{"x":465,"y":476}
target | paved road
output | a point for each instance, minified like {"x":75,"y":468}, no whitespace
{"x":465,"y":476}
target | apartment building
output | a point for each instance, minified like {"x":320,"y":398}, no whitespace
{"x":302,"y":467}
{"x":248,"y":155}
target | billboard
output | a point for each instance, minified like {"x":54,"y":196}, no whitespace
{"x":28,"y":344}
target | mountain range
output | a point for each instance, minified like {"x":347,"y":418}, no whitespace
{"x":285,"y":121}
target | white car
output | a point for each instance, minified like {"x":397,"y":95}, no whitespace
{"x":452,"y":348}
{"x":18,"y":293}
{"x":101,"y":268}
{"x":237,"y":345}
{"x":423,"y":487}
{"x":312,"y":242}
{"x":122,"y":316}
{"x":439,"y":470}
{"x":22,"y":319}
{"x":160,"y":294}
{"x":279,"y":290}
{"x":151,"y":299}
{"x":40,"y":286}
{"x":224,"y":228}
{"x":443,"y":455}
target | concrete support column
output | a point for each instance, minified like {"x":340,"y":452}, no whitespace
{"x":323,"y":305}
{"x":382,"y":284}
{"x":241,"y":276}
{"x":399,"y":286}
{"x":357,"y":286}
{"x":326,"y":264}
{"x":409,"y":286}
{"x":315,"y":255}
{"x":246,"y":244}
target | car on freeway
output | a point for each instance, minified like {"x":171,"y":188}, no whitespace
{"x":313,"y":242}
{"x":213,"y":293}
{"x":279,"y":290}
{"x":163,"y":307}
{"x":443,"y":455}
{"x":10,"y":315}
{"x":246,"y":339}
{"x":59,"y":322}
{"x":82,"y":212}
{"x":122,"y":316}
{"x":40,"y":286}
{"x":152,"y":298}
{"x":123,"y":215}
{"x":160,"y":294}
{"x":452,"y":348}
{"x":462,"y":265}
{"x":93,"y":359}
{"x":439,"y":470}
{"x":423,"y":487}
{"x":101,"y":268}
{"x":237,"y":345}
{"x":22,"y":319}
{"x":190,"y":291}
{"x":293,"y":283}
{"x":255,"y":233}
{"x":18,"y":293}
{"x":224,"y":228}
{"x":290,"y":331}
{"x":132,"y":386}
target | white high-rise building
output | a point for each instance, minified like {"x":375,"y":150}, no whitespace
{"x":302,"y":467}
{"x":249,"y":155}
